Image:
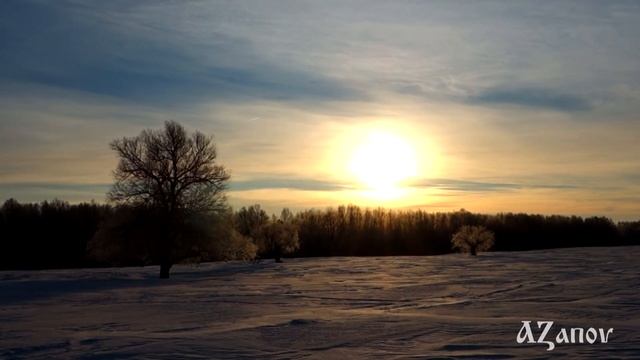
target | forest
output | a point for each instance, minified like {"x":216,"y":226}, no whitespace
{"x":56,"y":234}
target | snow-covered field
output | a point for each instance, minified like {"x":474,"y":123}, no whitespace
{"x":451,"y":306}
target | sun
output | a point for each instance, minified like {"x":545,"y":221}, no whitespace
{"x":381,"y":162}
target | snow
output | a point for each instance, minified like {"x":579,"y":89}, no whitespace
{"x":451,"y":306}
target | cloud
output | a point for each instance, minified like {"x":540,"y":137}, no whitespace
{"x":531,"y":97}
{"x":93,"y":49}
{"x":300,"y":183}
{"x":287,"y":183}
{"x":480,"y":186}
{"x":38,"y":191}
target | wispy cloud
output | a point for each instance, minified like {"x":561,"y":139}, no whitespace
{"x":146,"y":65}
{"x":288,"y":183}
{"x":531,"y":97}
{"x":483,"y":186}
{"x":300,"y":183}
{"x":38,"y":191}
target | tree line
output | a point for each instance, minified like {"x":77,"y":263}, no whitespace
{"x":354,"y":231}
{"x":56,"y":234}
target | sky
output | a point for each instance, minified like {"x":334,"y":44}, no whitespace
{"x":491,"y":106}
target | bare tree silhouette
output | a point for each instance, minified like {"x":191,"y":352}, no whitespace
{"x":472,"y":239}
{"x":172,"y":174}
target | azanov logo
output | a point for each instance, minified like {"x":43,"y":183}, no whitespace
{"x":563,"y":336}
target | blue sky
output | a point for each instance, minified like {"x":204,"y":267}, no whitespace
{"x":515,"y":106}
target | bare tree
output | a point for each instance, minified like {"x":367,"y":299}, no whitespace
{"x":472,"y":239}
{"x":172,"y":174}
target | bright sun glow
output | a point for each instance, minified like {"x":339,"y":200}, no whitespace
{"x":381,"y":162}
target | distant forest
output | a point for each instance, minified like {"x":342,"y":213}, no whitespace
{"x":57,"y":234}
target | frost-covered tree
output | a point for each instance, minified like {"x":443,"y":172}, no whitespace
{"x":274,"y":237}
{"x":236,"y":246}
{"x":471,"y":239}
{"x":175,"y":176}
{"x":279,"y":237}
{"x":249,"y":221}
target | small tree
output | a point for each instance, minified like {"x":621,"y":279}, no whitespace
{"x":173,"y":176}
{"x":237,"y":247}
{"x":273,"y":237}
{"x":471,"y":239}
{"x":249,"y":221}
{"x":232,"y":245}
{"x":279,"y":237}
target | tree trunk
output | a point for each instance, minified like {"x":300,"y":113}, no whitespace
{"x":277,"y":251}
{"x":165,"y":266}
{"x":473,"y":251}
